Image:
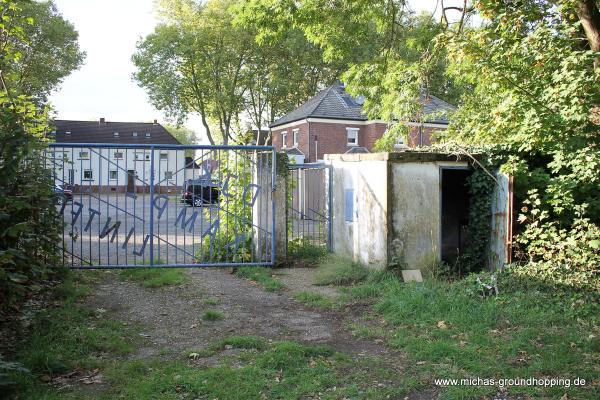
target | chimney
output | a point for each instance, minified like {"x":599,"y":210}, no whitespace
{"x":102,"y":121}
{"x":155,"y":122}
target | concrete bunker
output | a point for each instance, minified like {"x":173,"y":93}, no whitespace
{"x":406,"y":210}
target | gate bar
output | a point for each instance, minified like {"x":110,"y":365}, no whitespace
{"x":162,"y":146}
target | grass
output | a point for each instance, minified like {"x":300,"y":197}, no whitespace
{"x":313,"y":299}
{"x":155,"y":277}
{"x":211,"y":302}
{"x":448,"y":331}
{"x":64,"y":338}
{"x":211,"y":315}
{"x":304,"y":248}
{"x":335,"y":270}
{"x":283,"y":370}
{"x":262,"y":276}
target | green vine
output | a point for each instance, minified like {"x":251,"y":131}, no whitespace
{"x":481,"y":188}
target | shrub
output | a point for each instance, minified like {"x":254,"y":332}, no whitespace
{"x":557,"y":255}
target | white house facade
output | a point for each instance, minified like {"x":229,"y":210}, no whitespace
{"x":100,"y":164}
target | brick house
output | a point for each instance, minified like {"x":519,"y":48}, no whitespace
{"x":332,"y":122}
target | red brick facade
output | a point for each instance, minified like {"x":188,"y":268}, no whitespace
{"x":421,"y":136}
{"x":318,"y":138}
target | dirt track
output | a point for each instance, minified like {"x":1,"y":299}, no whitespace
{"x":171,"y":316}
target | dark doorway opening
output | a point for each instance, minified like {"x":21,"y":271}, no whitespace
{"x":455,"y":213}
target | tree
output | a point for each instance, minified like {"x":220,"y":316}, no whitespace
{"x":28,"y":216}
{"x":194,"y":62}
{"x":386,"y":49}
{"x":275,"y":87}
{"x":183,"y":134}
{"x":50,"y":53}
{"x":205,"y":59}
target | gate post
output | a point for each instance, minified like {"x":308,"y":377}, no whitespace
{"x":270,"y":208}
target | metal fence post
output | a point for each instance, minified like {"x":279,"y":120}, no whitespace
{"x":330,"y":209}
{"x":151,"y":206}
{"x":273,"y":206}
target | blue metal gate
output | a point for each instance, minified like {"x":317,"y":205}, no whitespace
{"x":127,"y":206}
{"x":309,"y":206}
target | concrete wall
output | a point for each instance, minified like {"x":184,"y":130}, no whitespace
{"x":262,"y":210}
{"x":415,"y":207}
{"x":364,"y":239}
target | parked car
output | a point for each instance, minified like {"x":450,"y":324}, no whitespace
{"x":62,"y":195}
{"x":200,"y":192}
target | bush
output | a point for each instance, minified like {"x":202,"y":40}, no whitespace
{"x":557,"y":255}
{"x":28,"y":216}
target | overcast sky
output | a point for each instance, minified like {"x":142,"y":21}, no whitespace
{"x":103,"y":87}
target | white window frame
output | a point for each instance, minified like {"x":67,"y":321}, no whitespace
{"x":115,"y":155}
{"x":352,"y":133}
{"x":110,"y":173}
{"x":86,"y":157}
{"x":141,"y":156}
{"x":116,"y":134}
{"x":134,"y":134}
{"x":91,"y":178}
{"x":295,"y":134}
{"x":148,"y":134}
{"x":284,"y":140}
{"x":164,"y":156}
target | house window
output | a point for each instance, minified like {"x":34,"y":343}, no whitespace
{"x":116,"y":134}
{"x":142,"y":156}
{"x":168,"y":174}
{"x":147,"y":134}
{"x":134,"y":134}
{"x":67,"y":132}
{"x":112,"y":175}
{"x":88,"y":175}
{"x":59,"y":155}
{"x":118,"y":155}
{"x":84,"y":155}
{"x":295,"y":137}
{"x":352,"y":134}
{"x":283,"y":140}
{"x":164,"y":156}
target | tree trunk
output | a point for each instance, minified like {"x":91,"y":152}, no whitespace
{"x":589,"y":15}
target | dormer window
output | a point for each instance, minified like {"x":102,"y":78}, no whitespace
{"x":116,"y":134}
{"x":147,"y":134}
{"x":134,"y":134}
{"x":67,"y":132}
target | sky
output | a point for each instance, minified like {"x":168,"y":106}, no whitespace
{"x":103,"y":86}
